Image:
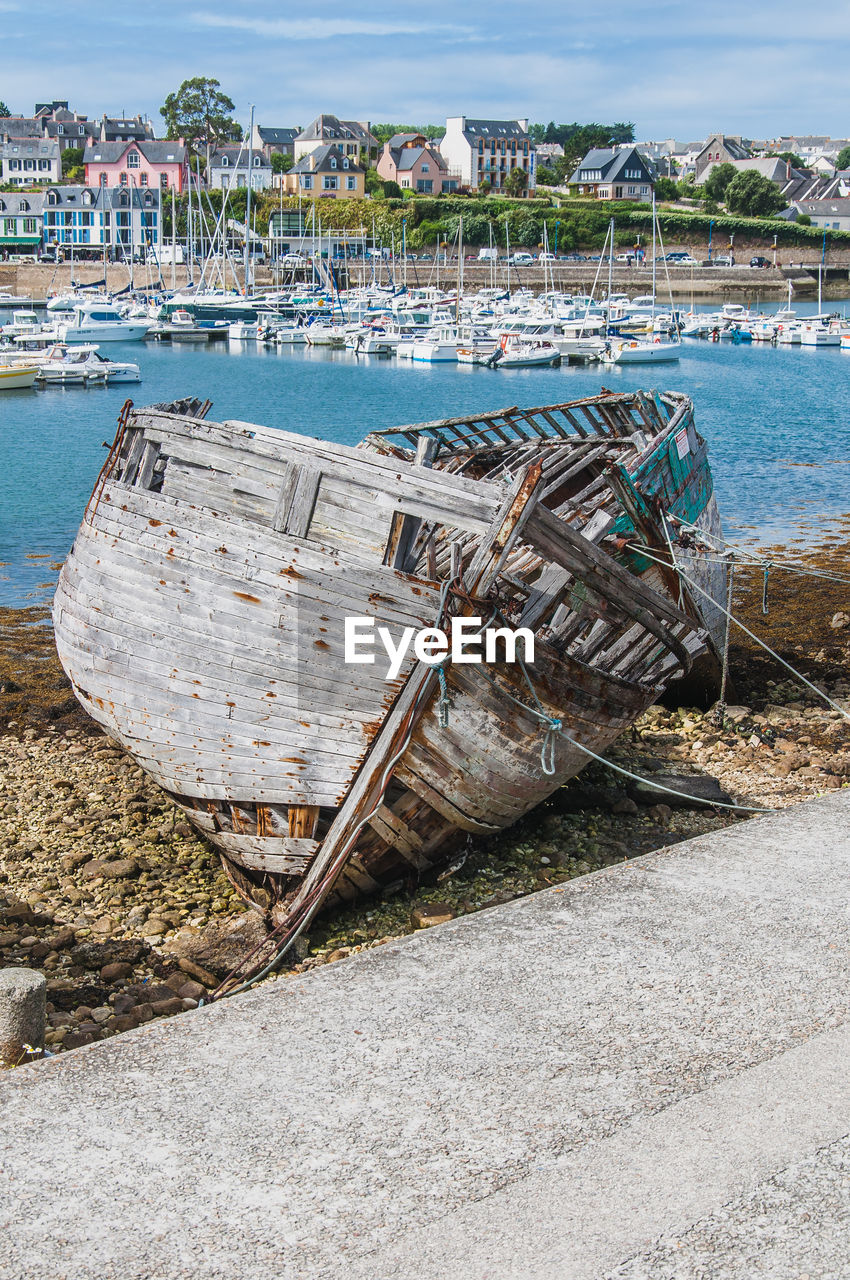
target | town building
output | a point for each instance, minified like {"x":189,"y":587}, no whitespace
{"x":297,"y":232}
{"x":609,"y":173}
{"x":137,"y":164}
{"x":274,"y":142}
{"x":793,"y":184}
{"x":480,"y":151}
{"x":229,"y":168}
{"x":122,"y":220}
{"x":21,"y":222}
{"x":720,"y":148}
{"x":416,"y":165}
{"x":69,"y":128}
{"x":26,"y":160}
{"x":833,"y":213}
{"x":134,"y":129}
{"x":326,"y":172}
{"x":353,"y":138}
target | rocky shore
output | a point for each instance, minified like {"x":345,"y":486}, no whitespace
{"x":110,"y":892}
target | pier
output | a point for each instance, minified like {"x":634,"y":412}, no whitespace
{"x":640,"y":1072}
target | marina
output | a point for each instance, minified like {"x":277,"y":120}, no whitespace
{"x":752,"y":401}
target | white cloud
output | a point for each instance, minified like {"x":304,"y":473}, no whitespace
{"x":328,"y":28}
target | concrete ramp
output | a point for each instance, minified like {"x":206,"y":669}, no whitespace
{"x":641,"y":1074}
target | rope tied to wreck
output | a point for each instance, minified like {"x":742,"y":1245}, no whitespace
{"x":722,"y":547}
{"x":553,"y":729}
{"x":728,"y":614}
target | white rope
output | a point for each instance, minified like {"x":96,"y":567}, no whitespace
{"x":791,"y":566}
{"x":554,"y":729}
{"x":728,"y":614}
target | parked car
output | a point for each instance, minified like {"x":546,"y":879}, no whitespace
{"x":546,"y":257}
{"x":625,"y":257}
{"x":724,"y":260}
{"x":521,"y":258}
{"x":759,"y":261}
{"x":575,"y":257}
{"x":291,"y":260}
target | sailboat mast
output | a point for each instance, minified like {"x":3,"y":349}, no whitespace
{"x":190,"y":231}
{"x":654,"y":268}
{"x":173,"y":236}
{"x":459,"y":269}
{"x":610,"y":237}
{"x":248,"y":204}
{"x":508,"y":255}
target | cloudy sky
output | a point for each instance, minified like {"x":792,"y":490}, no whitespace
{"x":678,"y":70}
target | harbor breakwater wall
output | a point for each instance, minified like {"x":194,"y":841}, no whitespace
{"x":41,"y":279}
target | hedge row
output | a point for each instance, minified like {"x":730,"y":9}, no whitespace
{"x":581,"y":224}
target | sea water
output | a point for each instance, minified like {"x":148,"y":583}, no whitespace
{"x":777,"y":421}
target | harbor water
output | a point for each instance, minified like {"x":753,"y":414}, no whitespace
{"x":776,"y":419}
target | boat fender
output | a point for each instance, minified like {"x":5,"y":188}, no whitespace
{"x":657,"y":339}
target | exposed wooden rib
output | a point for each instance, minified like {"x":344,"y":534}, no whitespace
{"x":303,"y":820}
{"x":397,"y":833}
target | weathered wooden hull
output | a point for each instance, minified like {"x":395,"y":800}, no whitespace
{"x":200,"y":618}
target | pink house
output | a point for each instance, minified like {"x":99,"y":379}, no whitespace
{"x":136,"y":164}
{"x":413,"y":162}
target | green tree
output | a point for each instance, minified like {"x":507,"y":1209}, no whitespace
{"x":666,"y":189}
{"x":752,"y":194}
{"x":843,"y":161}
{"x":281,"y":163}
{"x":4,"y":111}
{"x":392,"y":190}
{"x":516,"y":181}
{"x":200,"y":113}
{"x":714,"y":187}
{"x":383,"y":132}
{"x":803,"y":220}
{"x":374,"y":185}
{"x":72,"y":164}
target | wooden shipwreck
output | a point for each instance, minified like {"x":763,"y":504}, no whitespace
{"x":200,"y":618}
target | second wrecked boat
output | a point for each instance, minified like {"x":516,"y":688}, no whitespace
{"x":200,"y":617}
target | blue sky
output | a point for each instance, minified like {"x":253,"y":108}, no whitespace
{"x":678,"y":70}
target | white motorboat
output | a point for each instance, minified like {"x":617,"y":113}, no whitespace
{"x":324,"y":335}
{"x":478,"y":354}
{"x":634,"y":351}
{"x":288,"y":335}
{"x":14,"y":376}
{"x":438,"y":346}
{"x":63,"y":364}
{"x":13,"y":299}
{"x":57,"y":370}
{"x":23,"y":324}
{"x":818,"y":333}
{"x":243,"y":330}
{"x":522,"y":355}
{"x":581,"y":349}
{"x":101,"y":322}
